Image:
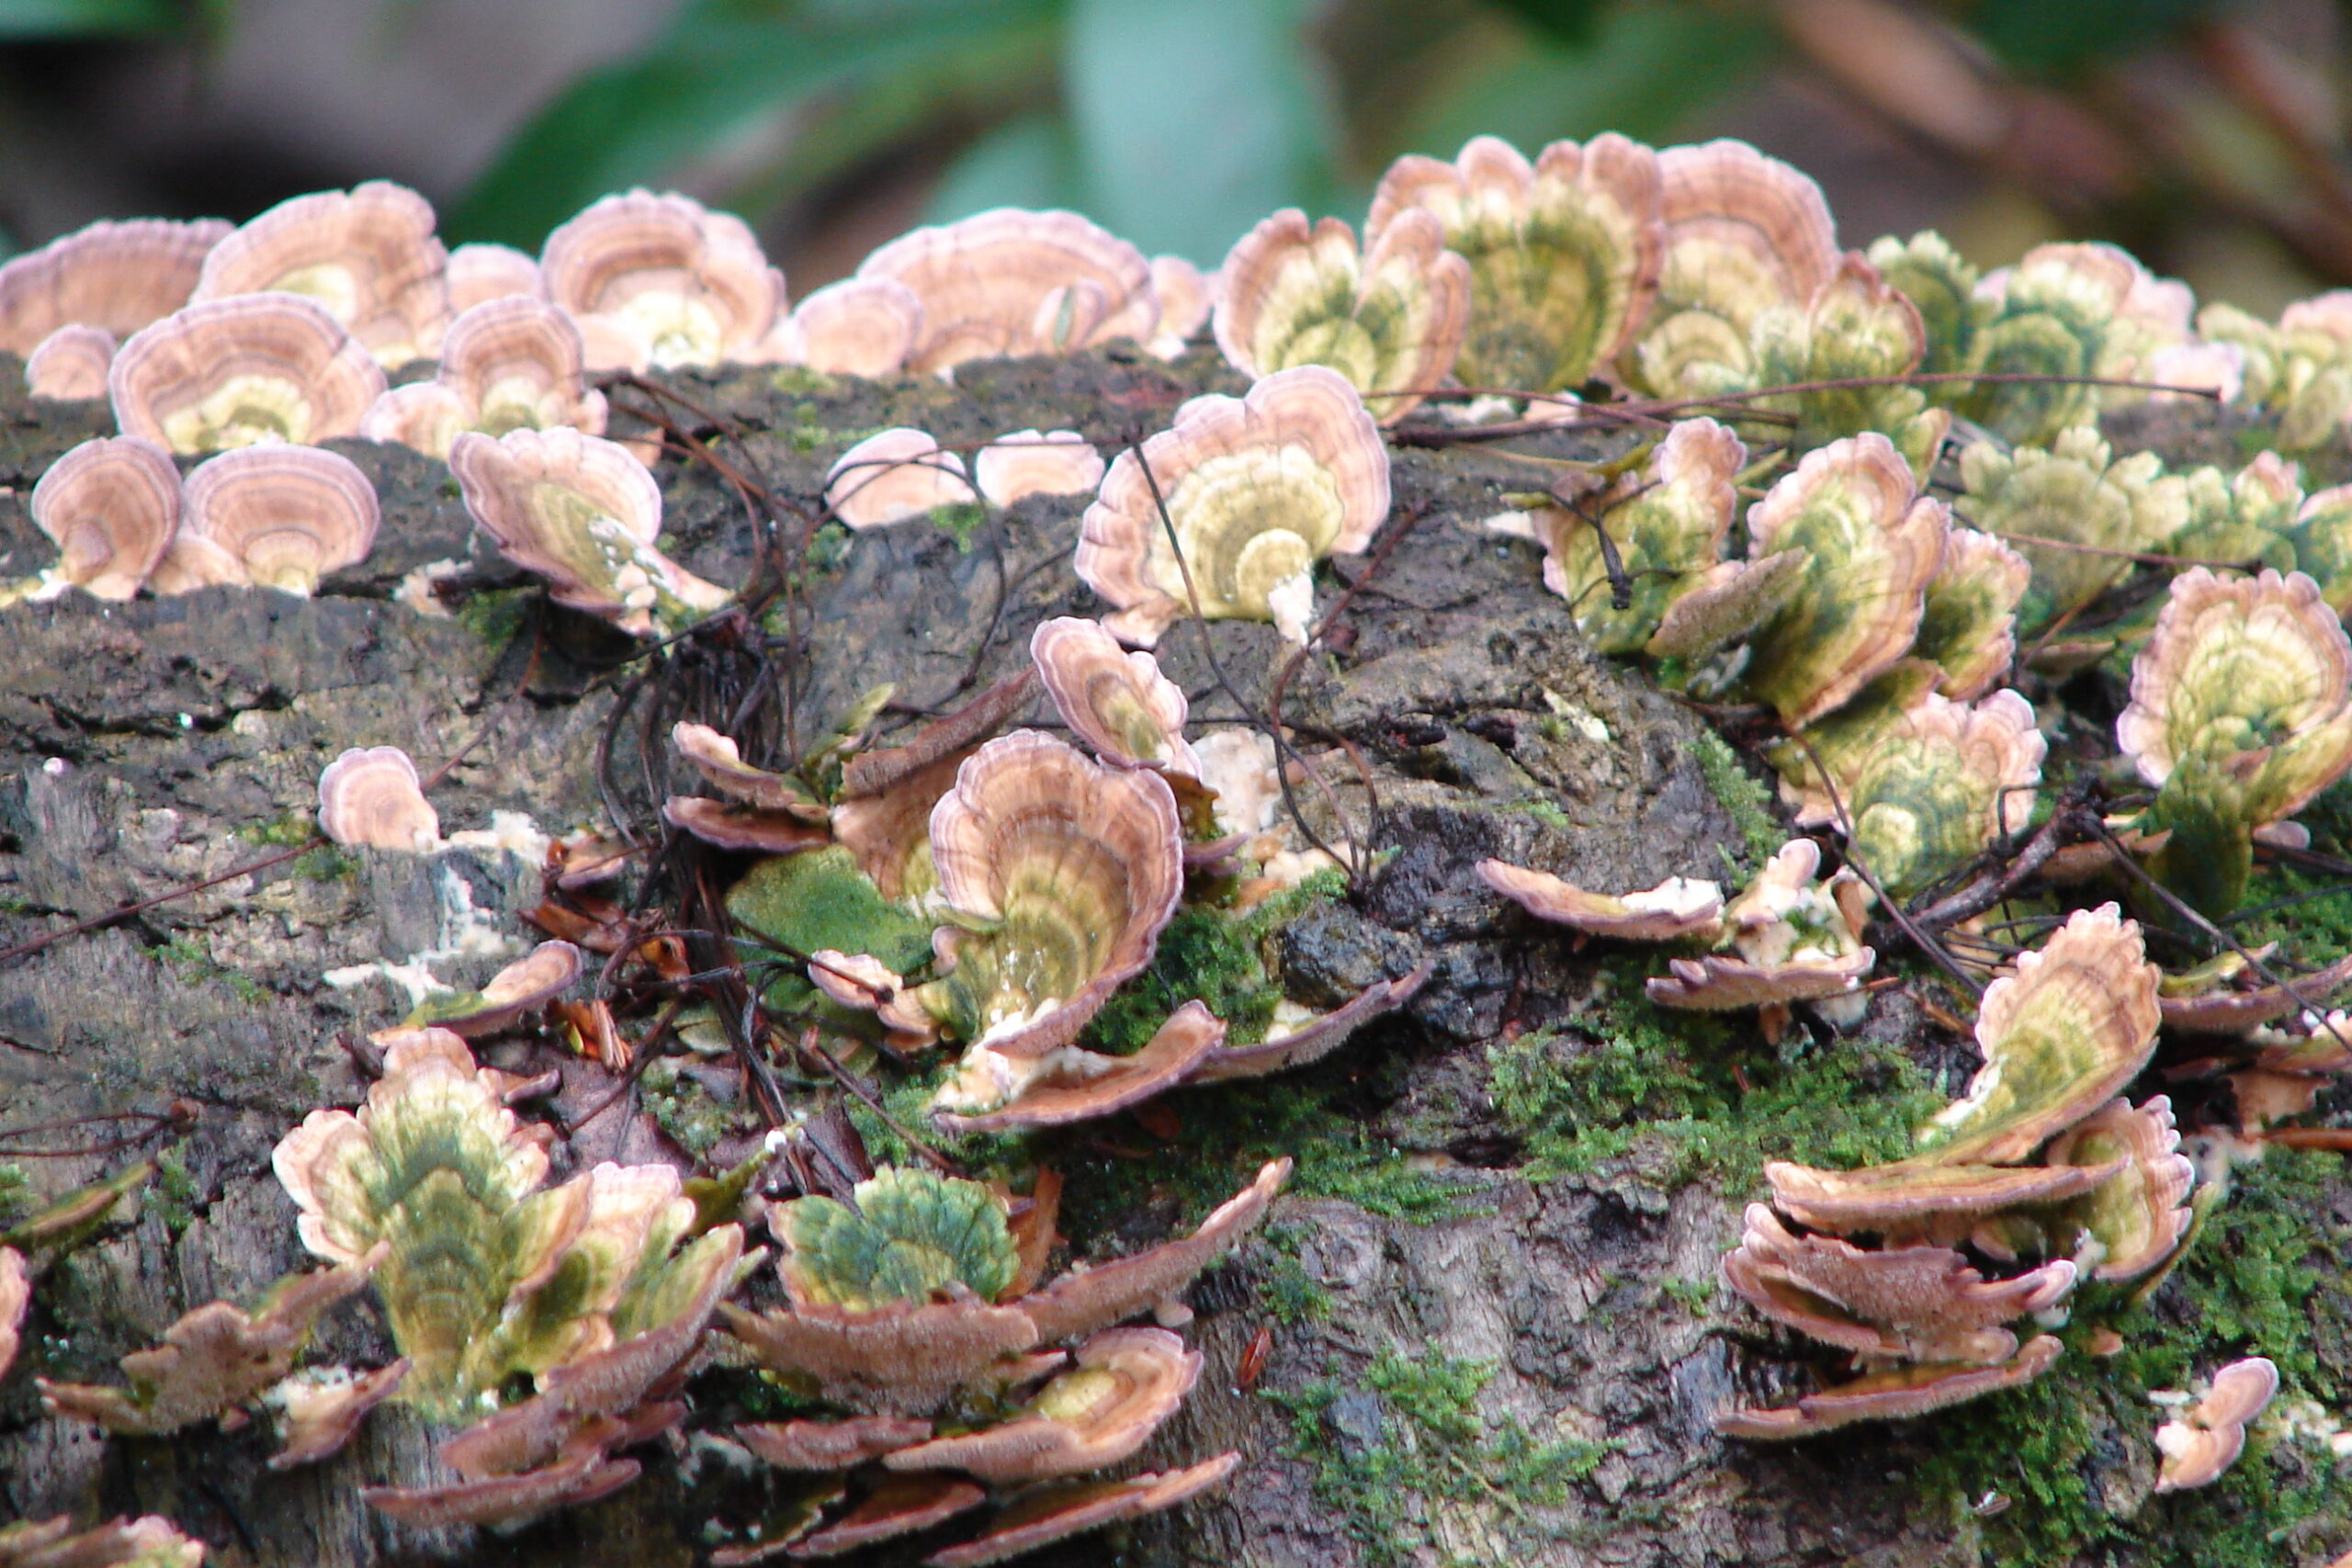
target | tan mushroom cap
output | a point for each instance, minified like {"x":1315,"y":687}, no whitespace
{"x":287,"y":516}
{"x":252,"y":368}
{"x":114,"y":276}
{"x":2139,"y":1217}
{"x":1071,"y":1085}
{"x":322,"y":1415}
{"x":1008,"y":282}
{"x":1892,"y":1394}
{"x":531,"y":981}
{"x":372,"y":797}
{"x":1679,"y":907}
{"x":480,"y":272}
{"x":1121,"y":1385}
{"x":16,"y":1295}
{"x":514,"y":363}
{"x":675,"y":282}
{"x":1919,"y":1194}
{"x":1117,"y":702}
{"x":152,"y":1542}
{"x":903,"y":1358}
{"x":830,"y":1445}
{"x":1088,"y":1299}
{"x":1259,"y":489}
{"x":582,"y":514}
{"x":214,"y":1358}
{"x":1034,"y":462}
{"x":112,"y":505}
{"x":1289,"y":1045}
{"x":1723,"y":198}
{"x":1918,"y":1302}
{"x":718,"y":758}
{"x":1057,"y":1513}
{"x":895,"y":475}
{"x":860,"y":326}
{"x":368,"y":255}
{"x":71,"y":362}
{"x":2207,"y":1439}
{"x":2226,"y":1011}
{"x":1186,"y":296}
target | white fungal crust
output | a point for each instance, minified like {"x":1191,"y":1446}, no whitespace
{"x":894,"y":475}
{"x":112,"y":505}
{"x":368,"y":255}
{"x":1008,"y":282}
{"x":285,"y":516}
{"x":1257,"y":489}
{"x":252,"y":368}
{"x":660,"y":281}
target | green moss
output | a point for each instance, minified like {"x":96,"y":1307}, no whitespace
{"x":190,"y":956}
{"x":1547,"y":812}
{"x":1640,"y":1076}
{"x":819,"y":899}
{"x":294,"y":827}
{"x":1432,"y":1448}
{"x":681,"y":1107}
{"x":1226,"y":959}
{"x":496,"y":616}
{"x":799,"y":381}
{"x":15,"y":1191}
{"x":963,"y":522}
{"x":1290,"y":1293}
{"x":1745,"y":799}
{"x":175,"y":1191}
{"x":2250,"y":1285}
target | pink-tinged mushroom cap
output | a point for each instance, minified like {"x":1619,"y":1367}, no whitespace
{"x":372,"y":797}
{"x":1969,"y":624}
{"x":320,"y":1414}
{"x":2207,"y":1439}
{"x":1117,"y":702}
{"x":117,"y":276}
{"x":2139,"y":1218}
{"x":830,"y":1445}
{"x":16,"y":1293}
{"x":71,"y":362}
{"x":1057,"y":1513}
{"x":149,"y":1543}
{"x":895,"y":475}
{"x":860,"y":326}
{"x":900,"y":1506}
{"x":729,"y":826}
{"x":581,"y":512}
{"x":1679,"y":907}
{"x":671,"y":281}
{"x":1008,"y":282}
{"x":1294,"y":1043}
{"x":368,"y":255}
{"x":2225,"y":1011}
{"x":286,"y":515}
{"x":1258,"y":488}
{"x":1390,"y":320}
{"x":1892,"y":1394}
{"x":530,"y":982}
{"x":480,"y":272}
{"x":514,"y":363}
{"x":581,"y":1474}
{"x":1071,"y":1084}
{"x":1121,"y":1385}
{"x":901,"y":1357}
{"x":1032,"y":462}
{"x":1186,"y":296}
{"x":112,"y":505}
{"x":250,"y":367}
{"x":717,"y":758}
{"x":1915,"y":1195}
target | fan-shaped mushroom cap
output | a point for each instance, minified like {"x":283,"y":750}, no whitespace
{"x":321,"y":1411}
{"x":112,"y":505}
{"x":2208,"y":1437}
{"x":1390,"y":320}
{"x":584,"y":513}
{"x":1669,"y":521}
{"x":671,"y":282}
{"x":1744,"y":234}
{"x":1892,"y":1394}
{"x":2225,"y":1010}
{"x":1049,"y":1514}
{"x":728,"y":826}
{"x":2073,"y":493}
{"x":1186,"y":296}
{"x":1918,"y":1302}
{"x":1564,"y":253}
{"x":830,"y":1445}
{"x":1969,"y":626}
{"x":1072,"y":869}
{"x":1310,"y":1039}
{"x":1725,"y":602}
{"x":900,"y":1506}
{"x":2068,"y":312}
{"x":115,"y":276}
{"x":71,"y":362}
{"x":1791,"y":940}
{"x":514,"y":363}
{"x":902,"y":1358}
{"x":1071,"y":1085}
{"x":581,"y":1474}
{"x":530,"y":982}
{"x":149,"y":1543}
{"x":1922,"y":1193}
{"x":2074,"y":1023}
{"x":716,"y":758}
{"x":906,"y":1236}
{"x":1008,"y":282}
{"x":1117,"y":702}
{"x":895,"y":475}
{"x":253,"y":367}
{"x":213,"y":1359}
{"x":369,"y":256}
{"x":286,"y":515}
{"x":1031,"y":462}
{"x":1679,"y":907}
{"x":1086,"y":1298}
{"x":16,"y":1293}
{"x":370,"y":795}
{"x":860,"y":326}
{"x":478,"y":273}
{"x":1258,"y":488}
{"x":1121,"y":1385}
{"x":2139,"y":1217}
{"x":1875,"y":542}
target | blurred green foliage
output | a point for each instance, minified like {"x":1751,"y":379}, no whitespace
{"x":30,"y":20}
{"x":1177,"y":123}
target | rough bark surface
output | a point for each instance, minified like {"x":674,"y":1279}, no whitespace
{"x":155,"y":744}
